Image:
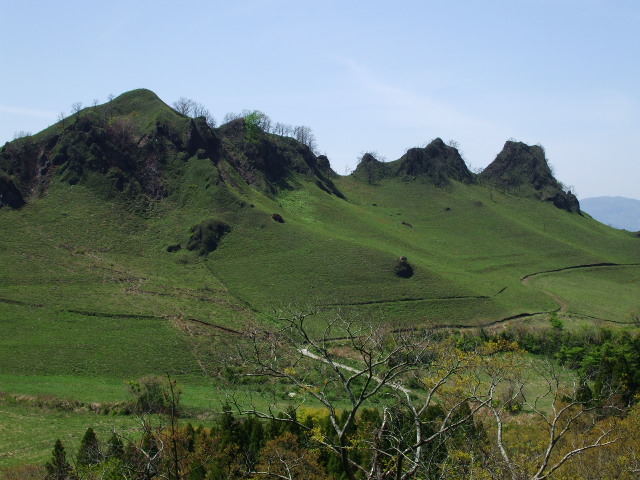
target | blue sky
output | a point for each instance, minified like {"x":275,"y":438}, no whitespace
{"x":363,"y":75}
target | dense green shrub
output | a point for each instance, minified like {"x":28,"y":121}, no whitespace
{"x":206,"y":236}
{"x":403,"y":269}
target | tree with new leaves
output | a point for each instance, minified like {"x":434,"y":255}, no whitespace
{"x":432,"y":391}
{"x":283,"y":457}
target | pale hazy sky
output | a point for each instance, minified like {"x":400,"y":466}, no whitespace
{"x":364,"y":75}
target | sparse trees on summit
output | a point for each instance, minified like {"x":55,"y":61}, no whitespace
{"x":191,"y":108}
{"x":258,"y":119}
{"x":183,"y":106}
{"x":305,"y":135}
{"x":76,"y":107}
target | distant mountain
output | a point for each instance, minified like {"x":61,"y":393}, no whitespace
{"x":618,"y":212}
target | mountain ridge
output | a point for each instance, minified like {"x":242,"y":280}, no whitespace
{"x":144,"y":204}
{"x":134,"y":141}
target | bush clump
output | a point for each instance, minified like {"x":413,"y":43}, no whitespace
{"x":403,"y":268}
{"x":206,"y":236}
{"x":153,"y":394}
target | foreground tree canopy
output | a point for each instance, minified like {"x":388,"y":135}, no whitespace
{"x":348,"y":400}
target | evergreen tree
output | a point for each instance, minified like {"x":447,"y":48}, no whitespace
{"x":59,"y":468}
{"x":90,"y":452}
{"x":115,"y":447}
{"x":229,"y":427}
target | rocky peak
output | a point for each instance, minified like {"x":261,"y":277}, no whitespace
{"x":437,"y":161}
{"x":524,"y":169}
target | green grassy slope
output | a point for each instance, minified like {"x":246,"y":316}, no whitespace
{"x":90,"y":297}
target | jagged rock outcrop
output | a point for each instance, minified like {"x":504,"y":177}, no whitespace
{"x":372,"y":170}
{"x":437,"y":163}
{"x":523,"y":169}
{"x":206,"y":236}
{"x":270,"y":162}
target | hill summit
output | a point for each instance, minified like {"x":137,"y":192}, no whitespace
{"x":524,"y":169}
{"x":137,"y":145}
{"x":436,"y":163}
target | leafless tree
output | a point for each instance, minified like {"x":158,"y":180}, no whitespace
{"x":21,"y":134}
{"x":76,"y":107}
{"x":183,"y":106}
{"x":191,"y":108}
{"x":305,"y":135}
{"x":379,"y":364}
{"x":282,"y":129}
{"x":230,"y":117}
{"x":566,"y":412}
{"x":412,"y":373}
{"x":210,"y":119}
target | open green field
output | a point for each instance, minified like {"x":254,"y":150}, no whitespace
{"x":604,"y":293}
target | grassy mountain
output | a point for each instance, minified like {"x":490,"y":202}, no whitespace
{"x":136,"y":182}
{"x":136,"y":240}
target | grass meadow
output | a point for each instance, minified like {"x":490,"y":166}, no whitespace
{"x":91,"y":298}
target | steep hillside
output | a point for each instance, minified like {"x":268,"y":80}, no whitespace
{"x":138,"y":146}
{"x":182,"y":192}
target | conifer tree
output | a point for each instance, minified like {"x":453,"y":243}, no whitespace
{"x":59,"y":468}
{"x":90,"y":452}
{"x":115,"y":448}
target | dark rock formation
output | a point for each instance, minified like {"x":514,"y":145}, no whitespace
{"x":523,"y":169}
{"x":438,"y":162}
{"x":9,"y":193}
{"x":402,"y":268}
{"x":371,"y":170}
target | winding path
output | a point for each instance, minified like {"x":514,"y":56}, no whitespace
{"x":563,"y":304}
